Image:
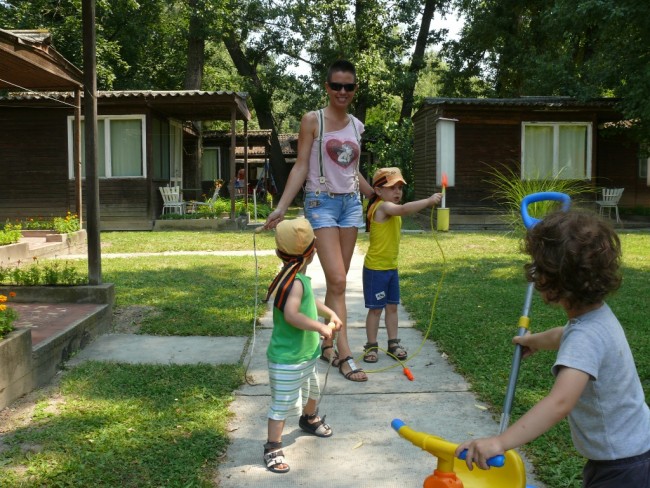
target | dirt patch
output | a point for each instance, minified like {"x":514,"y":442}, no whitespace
{"x":127,"y":320}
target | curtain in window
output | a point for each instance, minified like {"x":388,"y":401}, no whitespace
{"x":209,"y":165}
{"x":572,"y":152}
{"x":538,"y":155}
{"x":126,"y":147}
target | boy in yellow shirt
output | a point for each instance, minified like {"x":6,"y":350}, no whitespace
{"x":380,"y":277}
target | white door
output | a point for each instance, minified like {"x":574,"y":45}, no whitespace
{"x":175,"y":153}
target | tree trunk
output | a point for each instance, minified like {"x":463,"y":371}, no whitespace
{"x":262,"y":102}
{"x":417,"y":62}
{"x":195,"y":50}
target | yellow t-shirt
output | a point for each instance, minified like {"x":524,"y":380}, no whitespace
{"x":384,"y":242}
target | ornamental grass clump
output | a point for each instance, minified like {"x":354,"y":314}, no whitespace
{"x":7,"y":316}
{"x":510,"y":190}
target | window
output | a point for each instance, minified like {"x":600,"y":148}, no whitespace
{"x":210,"y":167}
{"x":556,"y":150}
{"x":120,"y":146}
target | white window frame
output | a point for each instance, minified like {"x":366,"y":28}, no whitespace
{"x":107,"y":146}
{"x":556,"y":145}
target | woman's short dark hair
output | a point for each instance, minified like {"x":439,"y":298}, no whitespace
{"x":575,"y":256}
{"x":341,"y":65}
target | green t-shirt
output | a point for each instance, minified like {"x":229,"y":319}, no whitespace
{"x":290,"y":345}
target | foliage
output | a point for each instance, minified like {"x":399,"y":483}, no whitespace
{"x":10,"y":234}
{"x":510,"y":189}
{"x":579,"y":48}
{"x":52,"y":272}
{"x":60,"y":225}
{"x":7,"y":315}
{"x":392,"y":145}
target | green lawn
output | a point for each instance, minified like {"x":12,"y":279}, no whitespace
{"x":149,"y":426}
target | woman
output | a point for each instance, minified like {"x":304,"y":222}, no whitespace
{"x":329,"y":146}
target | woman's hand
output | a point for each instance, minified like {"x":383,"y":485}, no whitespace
{"x":274,"y":219}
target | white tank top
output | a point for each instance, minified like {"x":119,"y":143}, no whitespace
{"x":340,"y":159}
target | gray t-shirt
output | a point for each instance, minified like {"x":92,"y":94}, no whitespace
{"x":611,"y":419}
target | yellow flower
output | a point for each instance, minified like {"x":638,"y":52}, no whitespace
{"x":3,"y":298}
{"x":3,"y":307}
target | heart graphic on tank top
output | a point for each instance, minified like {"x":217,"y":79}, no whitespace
{"x":343,"y":153}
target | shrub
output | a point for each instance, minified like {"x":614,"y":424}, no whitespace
{"x":7,"y":316}
{"x":50,"y":273}
{"x":10,"y":234}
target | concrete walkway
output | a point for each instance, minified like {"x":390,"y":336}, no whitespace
{"x":364,"y":450}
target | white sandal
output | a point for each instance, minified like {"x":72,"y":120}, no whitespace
{"x":275,"y":458}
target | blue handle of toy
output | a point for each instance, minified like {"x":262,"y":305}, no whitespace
{"x":397,"y":424}
{"x":495,"y":461}
{"x":541,"y":197}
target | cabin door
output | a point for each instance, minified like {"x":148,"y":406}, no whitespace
{"x":175,"y":153}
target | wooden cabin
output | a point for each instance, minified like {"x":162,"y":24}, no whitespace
{"x":533,"y":137}
{"x":146,"y":139}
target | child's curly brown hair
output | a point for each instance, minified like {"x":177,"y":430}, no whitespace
{"x":575,"y":256}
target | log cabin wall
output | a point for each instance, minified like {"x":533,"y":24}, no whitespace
{"x":34,"y":155}
{"x":33,"y":152}
{"x":488,"y":137}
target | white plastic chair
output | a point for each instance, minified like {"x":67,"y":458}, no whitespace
{"x":611,"y":196}
{"x":172,"y":199}
{"x":192,"y":205}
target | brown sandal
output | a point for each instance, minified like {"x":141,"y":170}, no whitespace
{"x":370,"y":352}
{"x":353,"y":369}
{"x":396,"y":351}
{"x":334,"y":359}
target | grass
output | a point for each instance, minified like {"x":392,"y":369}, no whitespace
{"x":149,"y":426}
{"x":476,"y":316}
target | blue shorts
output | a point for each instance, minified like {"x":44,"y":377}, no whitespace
{"x":333,"y":210}
{"x":380,"y":287}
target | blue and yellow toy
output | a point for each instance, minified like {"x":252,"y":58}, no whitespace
{"x":508,"y":470}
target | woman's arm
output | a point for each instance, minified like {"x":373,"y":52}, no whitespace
{"x":298,"y":174}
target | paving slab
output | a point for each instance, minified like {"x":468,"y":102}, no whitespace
{"x":364,"y":450}
{"x":146,"y":349}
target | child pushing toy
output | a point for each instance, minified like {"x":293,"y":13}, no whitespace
{"x":380,"y":277}
{"x":575,"y":265}
{"x":295,"y":341}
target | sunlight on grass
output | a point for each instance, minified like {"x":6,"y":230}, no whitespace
{"x":477,"y":313}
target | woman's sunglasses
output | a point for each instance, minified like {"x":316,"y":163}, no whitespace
{"x":339,"y":86}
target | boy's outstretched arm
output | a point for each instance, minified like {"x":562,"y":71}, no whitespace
{"x":409,"y":208}
{"x":564,"y":395}
{"x":299,"y":320}
{"x":549,"y":340}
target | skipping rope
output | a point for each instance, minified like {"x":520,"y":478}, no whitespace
{"x":399,"y":362}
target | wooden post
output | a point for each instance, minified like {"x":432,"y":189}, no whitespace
{"x":233,"y":145}
{"x":76,"y":156}
{"x":90,"y":137}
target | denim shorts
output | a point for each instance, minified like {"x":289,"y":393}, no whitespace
{"x":333,"y":210}
{"x":380,"y":287}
